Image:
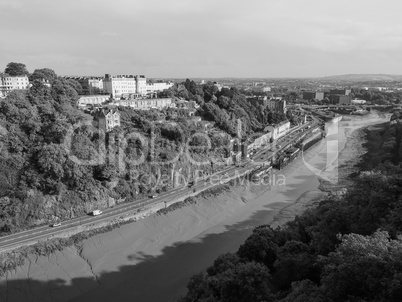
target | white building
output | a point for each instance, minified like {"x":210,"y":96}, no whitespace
{"x":279,"y":130}
{"x":141,"y":84}
{"x":357,"y":101}
{"x":146,"y":104}
{"x":159,"y":86}
{"x":118,"y":85}
{"x":92,"y":100}
{"x":130,"y":84}
{"x":9,"y":83}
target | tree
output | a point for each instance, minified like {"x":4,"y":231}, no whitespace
{"x":50,"y":160}
{"x":16,"y":69}
{"x":260,"y":247}
{"x":43,"y":74}
{"x":305,"y":290}
{"x":105,"y":172}
{"x":364,"y":268}
{"x":223,"y":263}
{"x":243,"y":282}
{"x":295,"y":262}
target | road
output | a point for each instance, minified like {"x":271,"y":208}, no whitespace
{"x":225,"y":175}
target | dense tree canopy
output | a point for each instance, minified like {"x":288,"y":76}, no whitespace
{"x":225,"y":107}
{"x":16,"y":69}
{"x":43,"y":74}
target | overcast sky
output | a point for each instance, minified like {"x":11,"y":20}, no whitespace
{"x":203,"y":38}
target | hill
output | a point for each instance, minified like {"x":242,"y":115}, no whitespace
{"x":363,"y":77}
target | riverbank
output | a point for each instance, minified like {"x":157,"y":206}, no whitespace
{"x":153,"y":259}
{"x":373,"y":145}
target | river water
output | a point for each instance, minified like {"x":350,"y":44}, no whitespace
{"x":153,"y":260}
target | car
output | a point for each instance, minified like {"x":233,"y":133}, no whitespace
{"x":153,"y":196}
{"x":56,"y":224}
{"x":96,"y":212}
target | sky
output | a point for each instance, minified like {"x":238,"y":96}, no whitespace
{"x":203,"y":38}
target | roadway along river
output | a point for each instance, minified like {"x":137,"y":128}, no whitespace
{"x":153,"y":259}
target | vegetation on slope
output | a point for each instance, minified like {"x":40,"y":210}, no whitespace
{"x":56,"y":165}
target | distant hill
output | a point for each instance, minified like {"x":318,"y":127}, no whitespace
{"x":363,"y":77}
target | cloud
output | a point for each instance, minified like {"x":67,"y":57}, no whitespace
{"x":11,"y":4}
{"x":201,"y":38}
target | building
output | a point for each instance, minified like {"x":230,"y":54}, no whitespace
{"x":258,"y":142}
{"x":158,"y":86}
{"x":9,"y":83}
{"x":277,"y":105}
{"x":340,"y":91}
{"x":257,"y":100}
{"x":358,"y":102}
{"x":106,"y":119}
{"x":121,"y":85}
{"x":313,"y":95}
{"x":145,"y":104}
{"x":118,"y":85}
{"x":308,"y":95}
{"x":141,"y":84}
{"x":90,"y":85}
{"x":218,"y":85}
{"x":338,"y":99}
{"x":236,"y":156}
{"x":92,"y":100}
{"x":279,"y":130}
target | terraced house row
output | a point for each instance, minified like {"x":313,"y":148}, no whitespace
{"x":9,"y":83}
